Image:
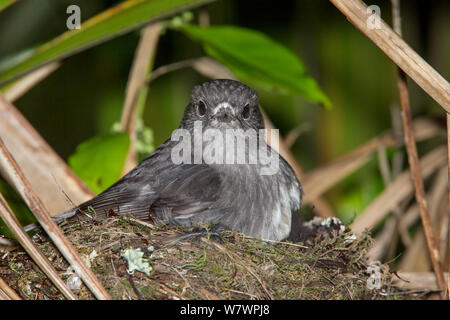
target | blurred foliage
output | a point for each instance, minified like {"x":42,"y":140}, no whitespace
{"x":84,"y":97}
{"x":6,"y":3}
{"x":110,"y":23}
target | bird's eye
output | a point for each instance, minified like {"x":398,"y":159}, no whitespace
{"x":246,"y":111}
{"x":201,"y":108}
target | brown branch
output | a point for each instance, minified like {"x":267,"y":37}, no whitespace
{"x":20,"y":182}
{"x":413,"y":160}
{"x":398,"y":51}
{"x":39,"y":162}
{"x":136,"y":90}
{"x":14,"y":225}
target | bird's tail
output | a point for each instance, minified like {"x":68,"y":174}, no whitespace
{"x":58,"y":219}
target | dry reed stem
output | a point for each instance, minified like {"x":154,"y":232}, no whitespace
{"x":20,"y":182}
{"x":386,"y":175}
{"x":28,"y":81}
{"x":6,"y":290}
{"x":321,"y":179}
{"x":382,"y":240}
{"x":413,"y":159}
{"x":417,"y":281}
{"x":142,"y":63}
{"x":399,"y":189}
{"x":292,"y":136}
{"x":408,"y":218}
{"x":397,"y":50}
{"x":14,"y":225}
{"x":42,"y":166}
{"x":3,"y":296}
{"x":409,"y":258}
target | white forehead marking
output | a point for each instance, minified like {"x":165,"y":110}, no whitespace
{"x":223,"y":105}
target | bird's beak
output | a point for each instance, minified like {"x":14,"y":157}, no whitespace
{"x":224,"y":113}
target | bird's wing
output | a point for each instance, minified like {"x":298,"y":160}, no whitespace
{"x":157,"y":186}
{"x":191,"y":191}
{"x":135,"y":192}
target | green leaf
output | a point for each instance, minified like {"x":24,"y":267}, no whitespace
{"x":122,"y":18}
{"x":6,"y":3}
{"x":257,"y":59}
{"x":99,"y":161}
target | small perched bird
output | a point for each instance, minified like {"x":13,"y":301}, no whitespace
{"x":205,"y":187}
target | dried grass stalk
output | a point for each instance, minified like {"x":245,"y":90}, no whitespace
{"x":28,"y":81}
{"x":142,"y":63}
{"x":20,"y":182}
{"x":14,"y":225}
{"x":413,"y":158}
{"x":417,"y":281}
{"x":400,"y":188}
{"x":50,"y":177}
{"x":397,"y":50}
{"x":320,"y":180}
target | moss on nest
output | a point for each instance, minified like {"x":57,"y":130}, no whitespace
{"x":202,"y":267}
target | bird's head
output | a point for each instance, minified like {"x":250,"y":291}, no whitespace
{"x":223,"y":103}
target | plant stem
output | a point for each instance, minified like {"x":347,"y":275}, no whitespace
{"x":413,"y":160}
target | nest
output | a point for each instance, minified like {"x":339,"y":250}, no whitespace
{"x":191,"y":264}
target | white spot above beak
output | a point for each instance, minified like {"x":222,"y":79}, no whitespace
{"x":223,"y":106}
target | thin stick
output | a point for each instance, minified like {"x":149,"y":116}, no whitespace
{"x":170,"y":68}
{"x":18,"y":88}
{"x":24,"y":188}
{"x":14,"y":225}
{"x":448,"y":208}
{"x":397,"y":50}
{"x":413,"y":160}
{"x":12,"y":295}
{"x":423,"y":281}
{"x":136,"y":91}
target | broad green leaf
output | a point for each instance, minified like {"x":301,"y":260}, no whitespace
{"x":6,"y":3}
{"x":257,"y":59}
{"x":99,"y":161}
{"x":122,"y":18}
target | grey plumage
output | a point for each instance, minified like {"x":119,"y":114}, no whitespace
{"x":236,"y":196}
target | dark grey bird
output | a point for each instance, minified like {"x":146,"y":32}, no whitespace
{"x":234,"y":195}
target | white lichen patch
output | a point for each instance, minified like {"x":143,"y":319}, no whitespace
{"x":136,"y":261}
